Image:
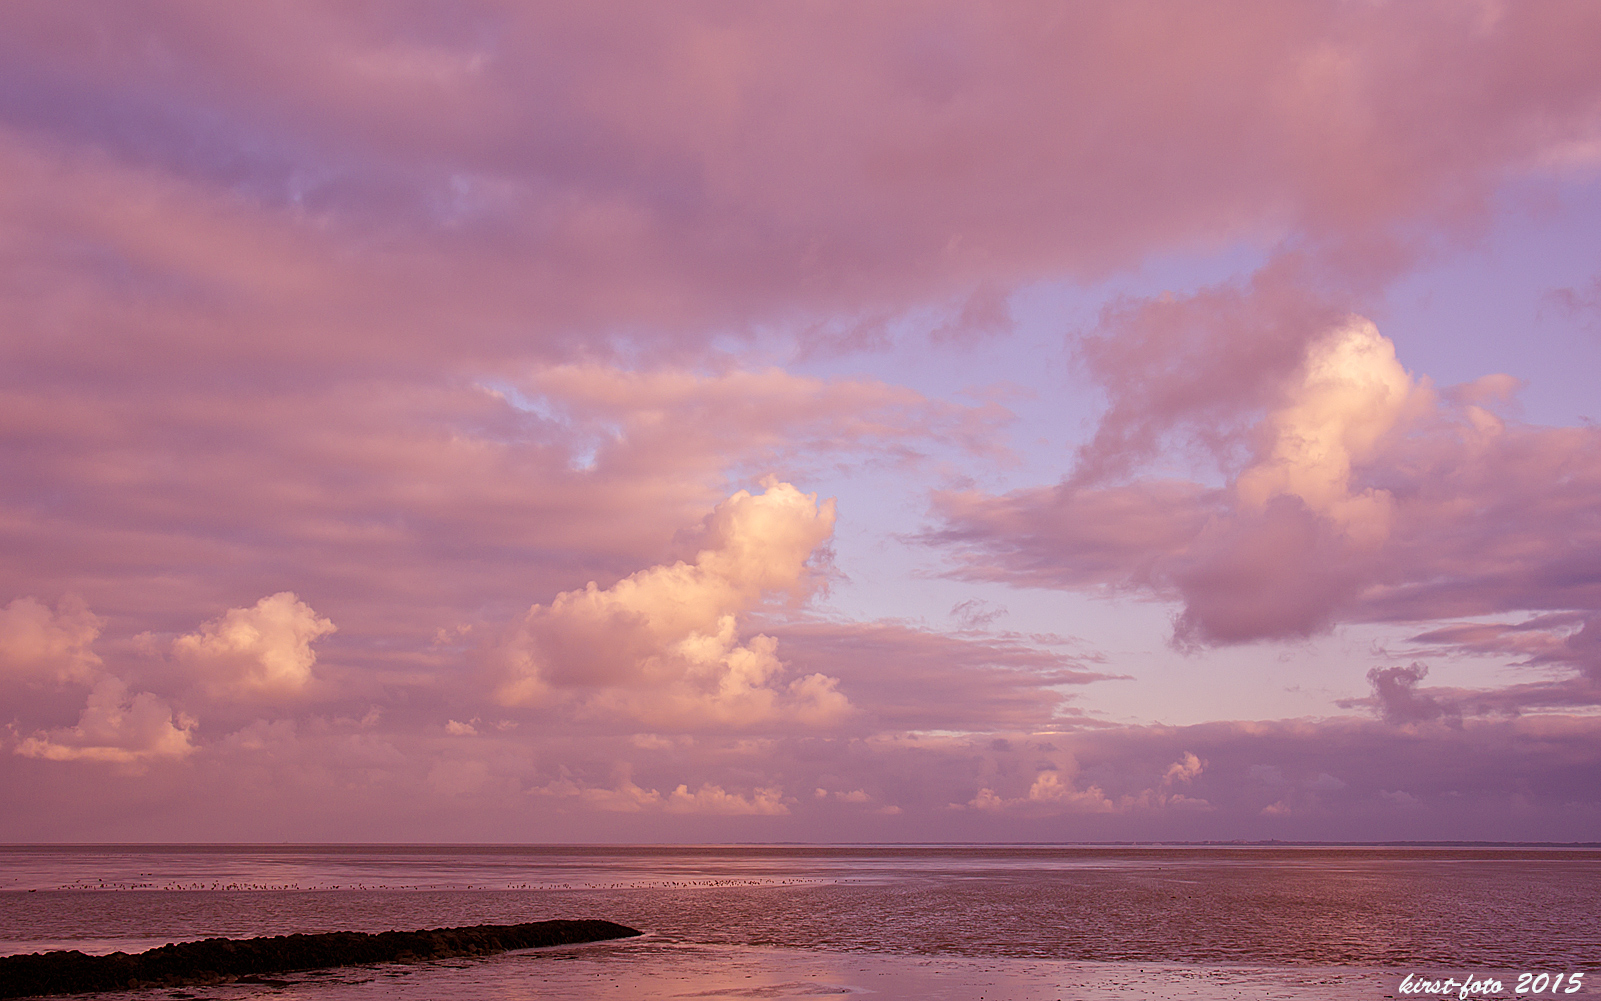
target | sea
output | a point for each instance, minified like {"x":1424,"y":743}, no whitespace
{"x":886,"y":922}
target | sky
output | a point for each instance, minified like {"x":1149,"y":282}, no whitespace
{"x":718,"y":422}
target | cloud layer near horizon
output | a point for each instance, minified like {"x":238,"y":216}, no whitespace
{"x":384,"y":399}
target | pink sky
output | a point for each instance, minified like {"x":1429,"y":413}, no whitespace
{"x":833,"y":422}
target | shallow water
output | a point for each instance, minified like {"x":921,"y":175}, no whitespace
{"x":912,"y":921}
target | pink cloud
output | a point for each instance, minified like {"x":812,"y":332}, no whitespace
{"x":1516,"y":778}
{"x":690,"y":172}
{"x":261,"y":650}
{"x":396,"y":510}
{"x":421,"y":329}
{"x":118,"y":728}
{"x":901,"y":677}
{"x":1198,"y":368}
{"x":712,"y":799}
{"x":1561,"y":650}
{"x":38,"y":644}
{"x":661,"y":645}
{"x":1360,"y":497}
{"x":1066,"y":536}
{"x":1056,"y":789}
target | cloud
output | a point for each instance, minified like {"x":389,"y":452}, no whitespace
{"x":902,"y":677}
{"x":1361,"y":495}
{"x":1183,"y":771}
{"x":1563,"y":639}
{"x":625,"y":796}
{"x":409,"y":507}
{"x":1047,"y":794}
{"x":1199,"y":369}
{"x":673,"y":417}
{"x":117,"y":728}
{"x":1581,"y":304}
{"x":1119,"y":537}
{"x":1055,"y":791}
{"x":1395,"y":691}
{"x":1502,"y":778}
{"x":263,"y":650}
{"x":1280,"y":574}
{"x":712,"y":799}
{"x":984,"y":314}
{"x":1561,"y":651}
{"x":37,"y":644}
{"x":503,"y":293}
{"x":1352,"y":393}
{"x":555,"y":183}
{"x":661,"y":645}
{"x":975,"y":613}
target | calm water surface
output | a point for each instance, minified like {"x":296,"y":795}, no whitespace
{"x":916,"y":921}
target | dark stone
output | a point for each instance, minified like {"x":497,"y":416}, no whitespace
{"x":219,"y":960}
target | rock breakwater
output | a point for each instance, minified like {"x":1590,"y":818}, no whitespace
{"x":218,"y":960}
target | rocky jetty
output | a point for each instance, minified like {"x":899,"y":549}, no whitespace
{"x":218,"y":960}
